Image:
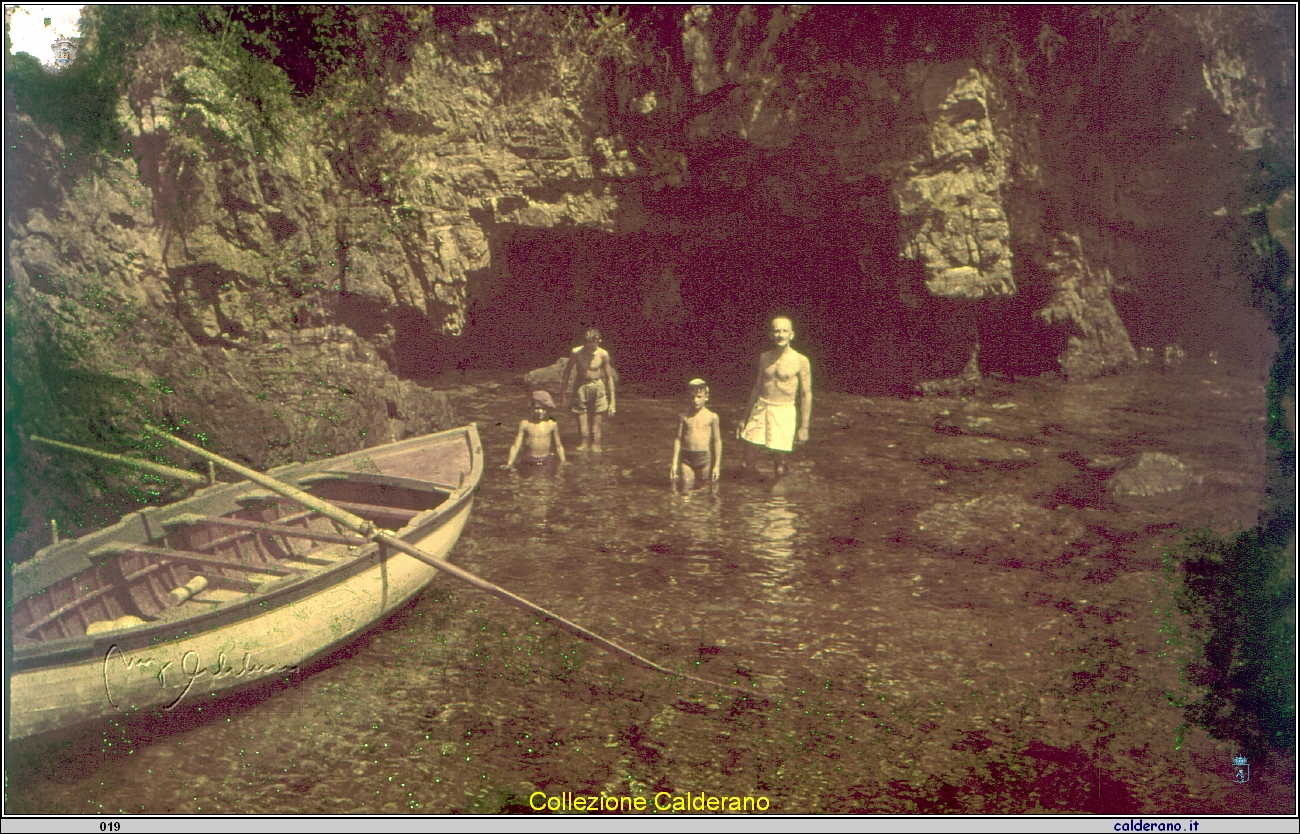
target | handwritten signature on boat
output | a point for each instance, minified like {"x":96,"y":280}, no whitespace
{"x":187,"y":672}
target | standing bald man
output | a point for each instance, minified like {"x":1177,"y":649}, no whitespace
{"x":780,"y":405}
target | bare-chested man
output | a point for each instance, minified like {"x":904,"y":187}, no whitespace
{"x":593,"y":387}
{"x":784,"y":379}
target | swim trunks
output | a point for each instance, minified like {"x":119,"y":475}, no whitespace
{"x":699,"y":461}
{"x":772,"y":425}
{"x":592,"y":391}
{"x":529,"y":460}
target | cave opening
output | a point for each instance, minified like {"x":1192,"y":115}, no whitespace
{"x":691,"y":291}
{"x":672,"y":304}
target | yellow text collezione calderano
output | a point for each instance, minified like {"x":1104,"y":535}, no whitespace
{"x":662,"y":801}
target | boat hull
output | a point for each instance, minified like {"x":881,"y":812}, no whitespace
{"x":255,"y":641}
{"x":192,"y":668}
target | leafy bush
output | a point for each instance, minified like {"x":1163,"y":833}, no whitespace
{"x":1240,"y":597}
{"x":260,"y":53}
{"x":81,"y":100}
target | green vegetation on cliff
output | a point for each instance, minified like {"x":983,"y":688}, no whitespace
{"x":340,"y":57}
{"x":1240,"y":596}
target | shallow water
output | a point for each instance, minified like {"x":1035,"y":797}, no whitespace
{"x":946,"y":606}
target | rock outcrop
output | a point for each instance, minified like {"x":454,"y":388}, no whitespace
{"x":952,"y":200}
{"x":1082,"y":297}
{"x":997,"y":524}
{"x":283,"y":290}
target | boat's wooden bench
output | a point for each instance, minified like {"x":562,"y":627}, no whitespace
{"x":374,"y":512}
{"x":257,"y":570}
{"x":252,"y":527}
{"x":245,"y":529}
{"x":394,"y":481}
{"x":258,"y":497}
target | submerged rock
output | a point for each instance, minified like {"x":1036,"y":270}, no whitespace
{"x":1153,"y":473}
{"x":969,"y":449}
{"x":1003,"y":521}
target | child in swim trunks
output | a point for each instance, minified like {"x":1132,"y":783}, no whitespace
{"x":536,"y":436}
{"x":697,"y":449}
{"x":773,"y":421}
{"x":593,"y":393}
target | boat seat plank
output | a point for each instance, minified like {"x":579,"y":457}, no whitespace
{"x":187,"y":521}
{"x":364,"y":510}
{"x":194,"y":558}
{"x":376,"y":511}
{"x":251,"y":527}
{"x":413,"y":484}
{"x":184,"y":520}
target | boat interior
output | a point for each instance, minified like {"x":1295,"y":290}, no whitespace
{"x":198,"y":562}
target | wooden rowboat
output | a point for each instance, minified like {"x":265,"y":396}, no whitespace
{"x":229,"y":587}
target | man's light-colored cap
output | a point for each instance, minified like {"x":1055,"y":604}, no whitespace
{"x":697,"y":381}
{"x":542,"y":398}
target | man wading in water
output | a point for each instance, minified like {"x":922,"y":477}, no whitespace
{"x":784,"y":377}
{"x":594,"y":387}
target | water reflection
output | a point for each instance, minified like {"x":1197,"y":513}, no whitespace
{"x":698,"y":513}
{"x":537,"y":490}
{"x":772,"y":527}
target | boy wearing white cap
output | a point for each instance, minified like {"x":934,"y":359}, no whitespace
{"x":697,"y":449}
{"x":536,"y":435}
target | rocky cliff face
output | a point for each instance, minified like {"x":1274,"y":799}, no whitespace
{"x":952,"y":197}
{"x":1043,"y":190}
{"x":287,"y":301}
{"x":1046,"y":186}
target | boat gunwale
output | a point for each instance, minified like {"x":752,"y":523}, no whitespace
{"x":283,"y":591}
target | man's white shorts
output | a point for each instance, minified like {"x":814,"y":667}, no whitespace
{"x":772,"y":425}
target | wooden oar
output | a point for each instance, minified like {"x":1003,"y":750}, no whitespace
{"x":147,"y":465}
{"x":368,"y":529}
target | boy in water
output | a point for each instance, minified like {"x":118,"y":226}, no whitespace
{"x":536,"y":435}
{"x":697,"y":449}
{"x":784,"y":376}
{"x":593,"y":388}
